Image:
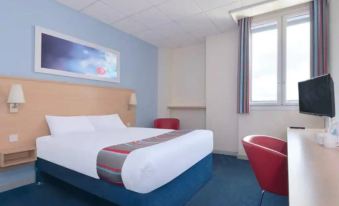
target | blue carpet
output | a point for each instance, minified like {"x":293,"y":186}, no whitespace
{"x":233,"y":183}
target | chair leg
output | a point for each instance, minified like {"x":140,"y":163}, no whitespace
{"x":262,"y":197}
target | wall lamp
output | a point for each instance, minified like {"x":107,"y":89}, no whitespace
{"x":15,"y":98}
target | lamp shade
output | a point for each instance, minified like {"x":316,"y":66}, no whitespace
{"x":133,"y":99}
{"x":16,"y":94}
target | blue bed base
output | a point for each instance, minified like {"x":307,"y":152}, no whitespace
{"x":175,"y":193}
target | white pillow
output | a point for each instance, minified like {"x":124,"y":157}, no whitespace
{"x":59,"y":125}
{"x":106,"y":122}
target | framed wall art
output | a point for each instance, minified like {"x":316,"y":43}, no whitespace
{"x":64,"y":55}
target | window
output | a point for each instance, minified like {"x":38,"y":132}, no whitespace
{"x":280,"y":58}
{"x":264,"y":63}
{"x":298,"y":54}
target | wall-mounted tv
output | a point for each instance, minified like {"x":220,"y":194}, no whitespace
{"x":316,"y":96}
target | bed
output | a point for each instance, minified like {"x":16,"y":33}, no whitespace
{"x":167,"y":173}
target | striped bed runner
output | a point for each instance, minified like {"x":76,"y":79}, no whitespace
{"x":111,"y":159}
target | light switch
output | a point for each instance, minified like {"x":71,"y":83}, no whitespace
{"x":13,"y":138}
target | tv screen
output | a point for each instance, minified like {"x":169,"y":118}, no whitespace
{"x":316,"y":96}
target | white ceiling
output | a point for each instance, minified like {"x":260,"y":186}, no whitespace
{"x":164,"y":23}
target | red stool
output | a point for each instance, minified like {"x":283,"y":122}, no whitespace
{"x":167,"y":123}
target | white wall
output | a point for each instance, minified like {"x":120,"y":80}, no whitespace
{"x":164,"y":69}
{"x":188,"y":76}
{"x":273,"y":123}
{"x":221,"y":97}
{"x":221,"y":94}
{"x":190,"y":118}
{"x":221,"y":91}
{"x":182,"y":82}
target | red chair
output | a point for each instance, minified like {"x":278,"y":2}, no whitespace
{"x":268,"y":159}
{"x":167,"y":123}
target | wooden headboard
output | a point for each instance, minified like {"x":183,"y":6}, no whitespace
{"x":53,"y":98}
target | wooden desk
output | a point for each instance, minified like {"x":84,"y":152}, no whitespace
{"x":313,"y":170}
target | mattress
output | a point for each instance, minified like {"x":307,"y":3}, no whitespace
{"x":144,"y":170}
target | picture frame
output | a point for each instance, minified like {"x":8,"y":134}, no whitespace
{"x":64,"y":55}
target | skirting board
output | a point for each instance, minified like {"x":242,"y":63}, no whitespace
{"x":242,"y":157}
{"x":235,"y":154}
{"x":225,"y":153}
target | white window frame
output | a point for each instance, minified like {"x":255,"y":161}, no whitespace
{"x":280,"y":17}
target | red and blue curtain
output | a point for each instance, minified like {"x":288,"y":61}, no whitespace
{"x":243,"y":65}
{"x":319,"y":42}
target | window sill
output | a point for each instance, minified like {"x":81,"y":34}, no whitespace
{"x":274,"y":107}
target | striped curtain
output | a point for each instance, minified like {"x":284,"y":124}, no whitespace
{"x":243,"y":65}
{"x":319,"y":37}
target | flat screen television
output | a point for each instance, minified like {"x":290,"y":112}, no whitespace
{"x":316,"y":96}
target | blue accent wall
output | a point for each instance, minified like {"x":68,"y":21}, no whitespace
{"x":138,"y":58}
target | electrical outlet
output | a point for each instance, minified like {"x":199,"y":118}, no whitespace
{"x":13,"y":138}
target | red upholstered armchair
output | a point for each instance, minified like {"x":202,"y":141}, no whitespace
{"x":167,"y":123}
{"x":268,"y":159}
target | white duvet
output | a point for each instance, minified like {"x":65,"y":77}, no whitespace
{"x":144,"y":170}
